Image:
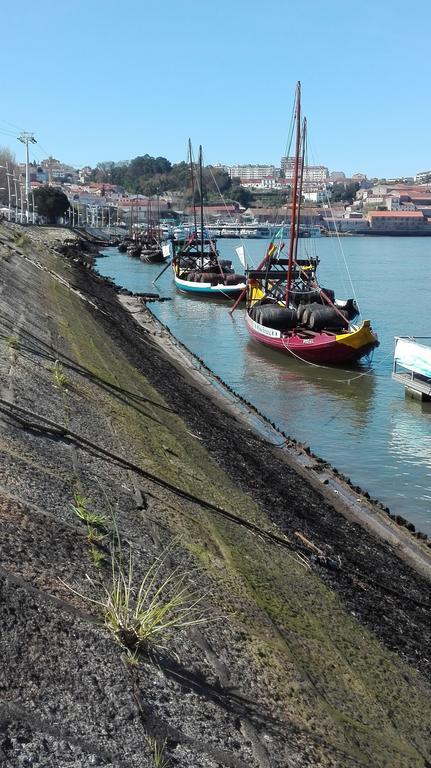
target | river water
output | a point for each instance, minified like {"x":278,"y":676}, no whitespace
{"x":358,"y":419}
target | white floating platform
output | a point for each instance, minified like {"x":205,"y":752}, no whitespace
{"x":414,"y":357}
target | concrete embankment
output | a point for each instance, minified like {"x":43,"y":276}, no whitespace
{"x":318,"y":648}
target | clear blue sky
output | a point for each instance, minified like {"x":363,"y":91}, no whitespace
{"x":104,"y":80}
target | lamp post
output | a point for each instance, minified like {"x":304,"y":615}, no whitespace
{"x":26,"y":138}
{"x":32,"y":205}
{"x":21,"y":186}
{"x":16,"y":197}
{"x":13,"y":195}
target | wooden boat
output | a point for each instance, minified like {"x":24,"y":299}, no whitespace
{"x":196,"y":264}
{"x":151,"y":248}
{"x":287,"y":309}
{"x":134,"y":249}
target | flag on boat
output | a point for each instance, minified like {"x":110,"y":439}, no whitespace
{"x":166,"y":250}
{"x":272,"y":246}
{"x":241,"y":255}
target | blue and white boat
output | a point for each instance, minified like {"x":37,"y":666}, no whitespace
{"x":196,"y":263}
{"x":198,"y":269}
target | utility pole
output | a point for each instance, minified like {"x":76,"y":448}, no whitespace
{"x":27,"y":138}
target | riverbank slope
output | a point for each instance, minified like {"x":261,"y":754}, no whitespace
{"x":319,"y":645}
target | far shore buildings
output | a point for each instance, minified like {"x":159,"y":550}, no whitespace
{"x":400,"y":206}
{"x":247,"y":172}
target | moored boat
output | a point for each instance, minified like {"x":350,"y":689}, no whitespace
{"x":196,"y":264}
{"x":287,"y":309}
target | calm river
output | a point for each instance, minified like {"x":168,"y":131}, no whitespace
{"x":362,"y":424}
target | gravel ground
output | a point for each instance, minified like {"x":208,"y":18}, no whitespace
{"x":299,"y":666}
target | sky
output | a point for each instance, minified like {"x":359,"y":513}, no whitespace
{"x":99,"y":80}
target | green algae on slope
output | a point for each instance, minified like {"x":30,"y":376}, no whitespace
{"x":157,"y":437}
{"x":352,"y":691}
{"x":330,"y":674}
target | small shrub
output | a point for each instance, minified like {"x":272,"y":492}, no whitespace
{"x":95,"y":535}
{"x":12,"y":342}
{"x":59,"y":376}
{"x":158,"y":752}
{"x":21,"y":240}
{"x":93,"y":519}
{"x":147,"y":612}
{"x":97,"y":556}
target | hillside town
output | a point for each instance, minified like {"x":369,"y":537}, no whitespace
{"x":333,"y":201}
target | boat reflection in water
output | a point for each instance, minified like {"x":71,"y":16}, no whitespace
{"x":324,"y":395}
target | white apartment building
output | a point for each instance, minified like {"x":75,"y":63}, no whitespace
{"x":246,"y":172}
{"x":422,"y":177}
{"x":315,"y":173}
{"x":312,"y":173}
{"x":315,"y":195}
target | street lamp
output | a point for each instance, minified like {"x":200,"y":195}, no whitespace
{"x":26,"y":138}
{"x":22,"y":199}
{"x":32,"y":205}
{"x":13,"y":195}
{"x":16,"y":197}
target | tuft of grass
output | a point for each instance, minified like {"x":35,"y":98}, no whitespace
{"x":95,"y":535}
{"x":158,"y":752}
{"x":147,"y":611}
{"x":93,"y":519}
{"x":21,"y":239}
{"x":59,"y":376}
{"x":12,"y":342}
{"x":132,"y":659}
{"x":97,"y":556}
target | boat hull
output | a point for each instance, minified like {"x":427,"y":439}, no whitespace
{"x":206,"y":289}
{"x":152,"y":257}
{"x":320,"y":348}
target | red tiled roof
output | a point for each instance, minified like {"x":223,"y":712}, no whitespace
{"x":396,"y":214}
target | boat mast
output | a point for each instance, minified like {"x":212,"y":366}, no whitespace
{"x":202,"y":206}
{"x":294,"y":191}
{"x":193,"y":185}
{"x":149,"y":219}
{"x":301,"y":179}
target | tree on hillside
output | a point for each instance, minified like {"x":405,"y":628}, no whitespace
{"x":240,"y":195}
{"x":7,"y":160}
{"x":50,"y":203}
{"x":344,"y":193}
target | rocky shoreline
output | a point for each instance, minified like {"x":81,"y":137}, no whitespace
{"x":322,"y":657}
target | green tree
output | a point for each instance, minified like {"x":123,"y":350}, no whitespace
{"x":7,"y":160}
{"x":50,"y":203}
{"x":240,"y":195}
{"x":344,"y":193}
